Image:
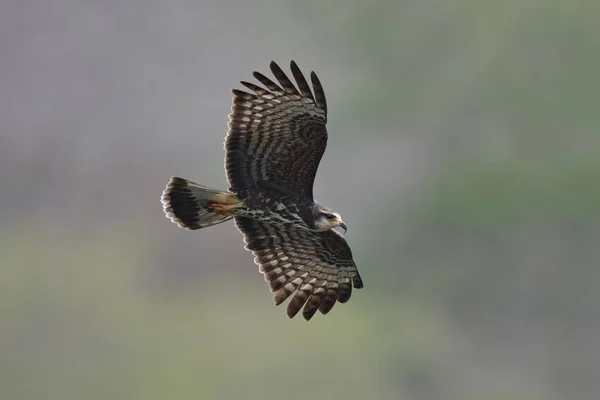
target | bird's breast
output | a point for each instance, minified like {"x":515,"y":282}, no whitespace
{"x":274,"y":212}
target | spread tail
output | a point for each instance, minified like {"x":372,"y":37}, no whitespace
{"x":193,"y":206}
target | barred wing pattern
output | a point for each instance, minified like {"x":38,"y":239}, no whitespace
{"x":277,"y":135}
{"x":316,"y":266}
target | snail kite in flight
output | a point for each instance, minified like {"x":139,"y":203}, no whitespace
{"x":273,"y":147}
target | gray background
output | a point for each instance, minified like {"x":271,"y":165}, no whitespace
{"x":464,"y":155}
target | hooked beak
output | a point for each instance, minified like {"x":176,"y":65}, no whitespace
{"x":344,"y":226}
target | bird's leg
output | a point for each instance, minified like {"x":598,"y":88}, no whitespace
{"x":221,"y":208}
{"x":224,"y":203}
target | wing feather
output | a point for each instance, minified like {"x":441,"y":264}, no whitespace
{"x":301,"y":81}
{"x":319,"y":93}
{"x":272,"y":86}
{"x":276,"y":135}
{"x":315,"y":269}
{"x":255,"y":88}
{"x":284,"y":81}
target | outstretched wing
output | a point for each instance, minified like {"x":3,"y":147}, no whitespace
{"x":316,"y":266}
{"x":277,"y":134}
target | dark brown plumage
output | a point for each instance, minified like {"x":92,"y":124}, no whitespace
{"x":273,"y":147}
{"x":276,"y":135}
{"x":318,"y":266}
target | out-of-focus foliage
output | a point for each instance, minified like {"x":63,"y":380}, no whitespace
{"x":464,"y":154}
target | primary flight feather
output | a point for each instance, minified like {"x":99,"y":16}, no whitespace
{"x":275,"y":141}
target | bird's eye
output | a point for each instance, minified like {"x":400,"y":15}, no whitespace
{"x":329,"y":216}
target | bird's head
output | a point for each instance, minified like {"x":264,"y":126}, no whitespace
{"x":329,"y":219}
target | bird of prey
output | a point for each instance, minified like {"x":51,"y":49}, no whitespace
{"x":276,"y":138}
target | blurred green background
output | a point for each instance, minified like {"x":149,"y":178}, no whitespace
{"x":464,"y":154}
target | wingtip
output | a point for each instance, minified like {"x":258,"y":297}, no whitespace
{"x":314,"y":78}
{"x":275,"y":68}
{"x":357,"y":282}
{"x":308,"y":314}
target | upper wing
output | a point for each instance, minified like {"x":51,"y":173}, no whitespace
{"x":276,"y":135}
{"x":317,"y":266}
